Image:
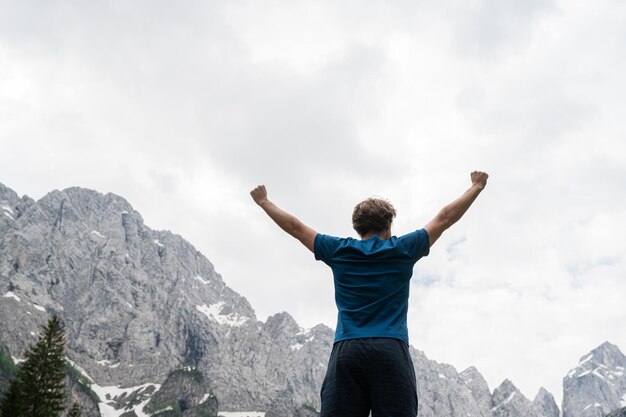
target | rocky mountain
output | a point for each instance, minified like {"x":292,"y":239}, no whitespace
{"x":597,"y":386}
{"x":154,"y":330}
{"x":139,"y":303}
{"x":479,"y":389}
{"x":508,"y":401}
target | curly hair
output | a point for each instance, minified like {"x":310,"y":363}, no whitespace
{"x":372,"y":215}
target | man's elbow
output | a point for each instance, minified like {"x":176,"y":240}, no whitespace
{"x":293,"y":228}
{"x":444,"y":219}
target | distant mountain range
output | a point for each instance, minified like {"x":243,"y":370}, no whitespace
{"x":153,"y":330}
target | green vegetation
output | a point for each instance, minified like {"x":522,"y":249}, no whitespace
{"x":175,"y":411}
{"x":194,"y":372}
{"x":7,"y":367}
{"x":84,"y":384}
{"x":38,"y":388}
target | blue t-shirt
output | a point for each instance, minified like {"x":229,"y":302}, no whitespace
{"x":372,"y":282}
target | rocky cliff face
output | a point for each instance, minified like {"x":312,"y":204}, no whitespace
{"x":544,"y":405}
{"x":597,"y":385}
{"x":442,"y":391}
{"x":140,"y":305}
{"x":184,"y":391}
{"x":479,"y":389}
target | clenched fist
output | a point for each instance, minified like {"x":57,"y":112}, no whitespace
{"x":479,"y":178}
{"x":259,"y":194}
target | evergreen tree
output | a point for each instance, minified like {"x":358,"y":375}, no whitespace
{"x":75,"y":411}
{"x":38,"y":389}
{"x":13,"y":402}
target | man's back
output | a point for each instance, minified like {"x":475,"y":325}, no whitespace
{"x":372,"y":281}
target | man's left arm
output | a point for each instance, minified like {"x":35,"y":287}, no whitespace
{"x":286,"y":221}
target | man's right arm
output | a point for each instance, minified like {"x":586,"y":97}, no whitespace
{"x":286,"y":221}
{"x":451,"y":213}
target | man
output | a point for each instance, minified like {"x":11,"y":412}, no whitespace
{"x":370,"y":368}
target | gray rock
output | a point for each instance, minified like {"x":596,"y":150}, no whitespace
{"x":208,"y":408}
{"x":544,"y":405}
{"x":306,"y":411}
{"x":597,"y":385}
{"x":77,"y":391}
{"x":508,"y":401}
{"x":441,"y":390}
{"x":185,"y":388}
{"x":618,"y":413}
{"x":479,"y":388}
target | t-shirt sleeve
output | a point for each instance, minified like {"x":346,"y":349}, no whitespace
{"x":325,"y":246}
{"x":417,"y":243}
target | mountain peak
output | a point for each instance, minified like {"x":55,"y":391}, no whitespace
{"x":597,"y":385}
{"x":605,"y":357}
{"x":88,"y":200}
{"x":607,"y":350}
{"x":507,"y":386}
{"x":542,"y":393}
{"x":470,"y":371}
{"x":544,"y":404}
{"x":281,"y":320}
{"x":12,"y":206}
{"x":7,"y":194}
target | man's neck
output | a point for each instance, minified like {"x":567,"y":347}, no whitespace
{"x":386,"y":235}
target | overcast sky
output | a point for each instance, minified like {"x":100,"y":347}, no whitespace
{"x":183,"y":107}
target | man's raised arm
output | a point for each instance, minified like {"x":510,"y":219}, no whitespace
{"x":451,"y":213}
{"x":286,"y":221}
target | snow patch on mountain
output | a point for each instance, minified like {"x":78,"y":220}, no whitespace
{"x":11,"y":295}
{"x":297,"y":346}
{"x":213,"y":312}
{"x":587,"y":359}
{"x":8,"y":211}
{"x":109,"y":394}
{"x":202,"y":280}
{"x":108,"y":363}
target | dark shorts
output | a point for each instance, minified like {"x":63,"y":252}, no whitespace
{"x":369,"y":374}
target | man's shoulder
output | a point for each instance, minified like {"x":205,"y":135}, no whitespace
{"x":416,"y":242}
{"x":331,"y":238}
{"x":325,"y":245}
